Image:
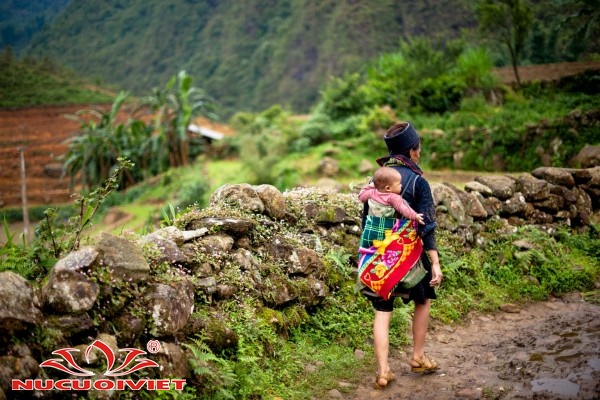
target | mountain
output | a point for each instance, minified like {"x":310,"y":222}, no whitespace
{"x":21,"y":19}
{"x":246,"y":54}
{"x":252,"y":54}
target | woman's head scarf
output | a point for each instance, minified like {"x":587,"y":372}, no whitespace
{"x":399,"y":140}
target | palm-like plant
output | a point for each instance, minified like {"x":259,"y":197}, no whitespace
{"x":153,"y":147}
{"x":174,"y":108}
{"x":94,"y":152}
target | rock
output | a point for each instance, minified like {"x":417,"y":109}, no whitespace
{"x":472,"y":394}
{"x":231,"y":226}
{"x":568,"y":195}
{"x":502,"y":187}
{"x":314,"y":293}
{"x":194,"y":234}
{"x":170,"y":233}
{"x":446,"y":196}
{"x":325,"y":213}
{"x":299,"y":260}
{"x":16,"y":368}
{"x":243,"y":257}
{"x":225,"y":291}
{"x":242,"y":196}
{"x":329,"y":184}
{"x":279,"y":292}
{"x":365,"y":167}
{"x":479,"y":188}
{"x":170,"y":307}
{"x":172,"y":360}
{"x":594,"y":177}
{"x":17,"y":303}
{"x":207,"y":285}
{"x":552,"y":204}
{"x":523,"y":244}
{"x":588,"y":156}
{"x":124,"y":260}
{"x":516,"y":205}
{"x":273,"y":201}
{"x":72,"y":325}
{"x":556,"y":176}
{"x":77,"y":261}
{"x":491,"y":205}
{"x":129,"y":328}
{"x":215,"y":244}
{"x":489,"y":358}
{"x":539,"y":217}
{"x":216,"y":334}
{"x":167,"y":249}
{"x":533,"y":188}
{"x":473,"y":206}
{"x":583,"y":205}
{"x":328,"y":167}
{"x":510,"y":308}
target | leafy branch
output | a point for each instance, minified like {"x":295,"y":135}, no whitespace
{"x":55,"y":239}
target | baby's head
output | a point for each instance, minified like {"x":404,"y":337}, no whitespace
{"x":387,"y":180}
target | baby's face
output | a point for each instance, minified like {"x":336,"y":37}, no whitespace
{"x":396,"y":186}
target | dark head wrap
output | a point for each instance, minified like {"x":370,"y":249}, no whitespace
{"x":400,"y":138}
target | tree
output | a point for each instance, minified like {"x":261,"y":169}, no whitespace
{"x":507,"y":21}
{"x":101,"y":141}
{"x":581,"y":18}
{"x":174,"y":108}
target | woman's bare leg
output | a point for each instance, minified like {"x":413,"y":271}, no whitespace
{"x":419,"y":328}
{"x":381,"y":330}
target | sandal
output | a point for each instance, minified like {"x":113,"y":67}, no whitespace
{"x":423,"y":365}
{"x":389,"y":377}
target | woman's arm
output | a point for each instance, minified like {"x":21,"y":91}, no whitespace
{"x":436,"y":270}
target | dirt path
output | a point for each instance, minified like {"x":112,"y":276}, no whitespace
{"x":547,"y":350}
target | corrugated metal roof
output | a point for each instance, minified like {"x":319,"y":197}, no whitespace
{"x":209,"y":133}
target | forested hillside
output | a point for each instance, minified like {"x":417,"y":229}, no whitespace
{"x":250,"y":55}
{"x":20,"y":20}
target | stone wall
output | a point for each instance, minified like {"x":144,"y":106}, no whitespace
{"x":546,"y":197}
{"x":252,"y":241}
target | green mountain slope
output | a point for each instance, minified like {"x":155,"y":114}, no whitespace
{"x":249,"y":54}
{"x":21,"y":19}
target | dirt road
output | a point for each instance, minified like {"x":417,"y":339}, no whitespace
{"x":547,"y":350}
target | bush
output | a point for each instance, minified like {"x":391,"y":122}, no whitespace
{"x":437,"y":95}
{"x":193,"y":194}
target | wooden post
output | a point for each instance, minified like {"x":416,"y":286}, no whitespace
{"x":24,"y":195}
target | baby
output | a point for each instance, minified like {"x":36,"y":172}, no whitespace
{"x":383,"y":195}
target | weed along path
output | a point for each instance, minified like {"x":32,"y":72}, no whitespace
{"x":543,"y":350}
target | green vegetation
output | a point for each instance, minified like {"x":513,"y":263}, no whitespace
{"x":509,"y":22}
{"x":249,"y":56}
{"x":31,"y":82}
{"x":155,"y":147}
{"x":22,"y":19}
{"x":447,"y":91}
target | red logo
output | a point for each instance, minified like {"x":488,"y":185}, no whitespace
{"x":68,"y":364}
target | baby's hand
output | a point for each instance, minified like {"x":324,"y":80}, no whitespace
{"x":419,"y":219}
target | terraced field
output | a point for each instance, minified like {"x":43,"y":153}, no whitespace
{"x":41,"y":133}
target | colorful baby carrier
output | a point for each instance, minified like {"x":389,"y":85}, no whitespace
{"x":389,"y":255}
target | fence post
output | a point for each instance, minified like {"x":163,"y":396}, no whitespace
{"x":24,"y":195}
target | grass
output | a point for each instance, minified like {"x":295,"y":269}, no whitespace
{"x":33,"y":82}
{"x":311,"y":352}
